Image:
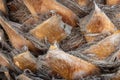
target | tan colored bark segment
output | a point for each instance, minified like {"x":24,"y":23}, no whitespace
{"x":16,"y":39}
{"x":68,"y":66}
{"x":112,"y":2}
{"x":7,"y":74}
{"x":83,"y":2}
{"x":3,"y":6}
{"x":106,"y":47}
{"x":93,"y":37}
{"x":52,"y":29}
{"x":116,"y":78}
{"x":99,"y":23}
{"x":25,"y":60}
{"x":4,"y":61}
{"x":1,"y":35}
{"x":23,"y":77}
{"x":43,"y":6}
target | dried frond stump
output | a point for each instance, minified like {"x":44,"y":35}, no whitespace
{"x":83,"y":2}
{"x":4,"y":61}
{"x":105,"y":47}
{"x":23,"y":77}
{"x":17,"y":40}
{"x":97,"y":24}
{"x":113,"y":2}
{"x":68,"y":66}
{"x":43,"y":6}
{"x":3,"y":7}
{"x":54,"y":29}
{"x":26,"y":60}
